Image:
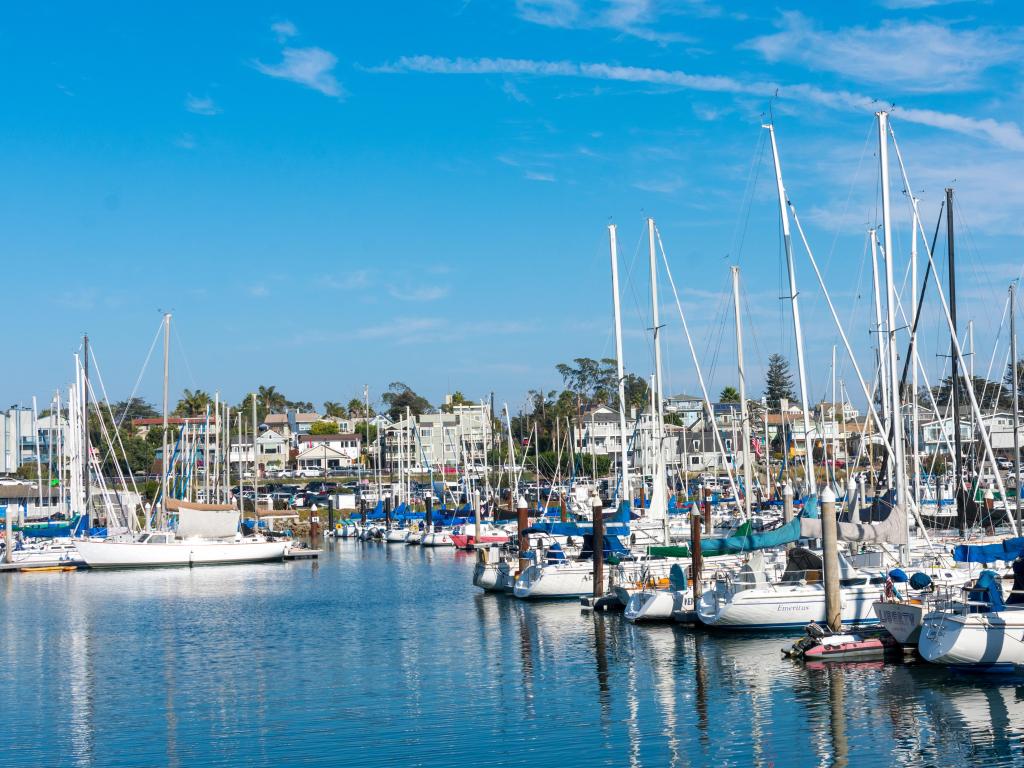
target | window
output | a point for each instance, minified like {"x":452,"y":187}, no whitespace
{"x":696,"y":445}
{"x":694,"y":461}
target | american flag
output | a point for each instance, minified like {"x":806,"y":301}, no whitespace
{"x":756,"y":445}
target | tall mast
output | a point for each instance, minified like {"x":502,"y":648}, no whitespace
{"x":883,"y":379}
{"x":745,"y":453}
{"x":255,"y":472}
{"x":954,"y":375}
{"x":163,"y":460}
{"x":627,"y":493}
{"x":914,"y":425}
{"x":1016,"y":405}
{"x":659,"y":503}
{"x":794,"y":301}
{"x":890,"y":311}
{"x":85,"y":427}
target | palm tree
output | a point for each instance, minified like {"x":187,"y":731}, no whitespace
{"x":192,"y":403}
{"x":268,"y":399}
{"x":332,"y":408}
{"x":729,"y":395}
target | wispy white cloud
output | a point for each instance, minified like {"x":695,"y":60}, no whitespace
{"x":509,"y":89}
{"x":539,"y":176}
{"x":185,"y":141}
{"x":902,"y":55}
{"x":258,"y":291}
{"x":419,"y":293}
{"x":350,"y":281}
{"x":403,"y":329}
{"x":665,"y":185}
{"x":636,"y":18}
{"x":201,"y":105}
{"x":1004,"y":133}
{"x":311,"y":67}
{"x":916,"y":4}
{"x":284,"y":30}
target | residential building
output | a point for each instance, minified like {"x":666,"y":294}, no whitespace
{"x":441,"y":439}
{"x":937,"y":435}
{"x":20,"y":443}
{"x":272,"y":450}
{"x":689,"y":407}
{"x":328,"y":452}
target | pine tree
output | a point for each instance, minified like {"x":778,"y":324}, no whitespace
{"x":778,"y":381}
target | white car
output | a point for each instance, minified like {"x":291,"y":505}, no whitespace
{"x":307,"y":473}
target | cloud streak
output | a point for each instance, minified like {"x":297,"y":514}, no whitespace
{"x":311,"y":67}
{"x":922,"y":57}
{"x":201,"y":105}
{"x":1004,"y":133}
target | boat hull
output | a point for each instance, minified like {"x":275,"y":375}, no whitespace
{"x":112,"y":554}
{"x":782,"y":607}
{"x":902,"y":620}
{"x":993,"y":639}
{"x":660,"y":605}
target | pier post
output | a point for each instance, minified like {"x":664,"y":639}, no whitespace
{"x":852,"y":502}
{"x":522,"y":523}
{"x":428,"y":516}
{"x":476,"y":516}
{"x":330,"y":514}
{"x":990,"y":502}
{"x":387,"y":514}
{"x":597,"y":512}
{"x":696,"y":558}
{"x":362,"y":512}
{"x":561,"y":508}
{"x":707,"y":510}
{"x":830,"y":559}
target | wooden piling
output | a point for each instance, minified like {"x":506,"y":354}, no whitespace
{"x":597,"y":512}
{"x":830,"y":559}
{"x":522,"y":524}
{"x":9,"y":533}
{"x":696,"y":558}
{"x":476,"y":516}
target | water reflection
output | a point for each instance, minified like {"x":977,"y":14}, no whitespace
{"x":387,"y":655}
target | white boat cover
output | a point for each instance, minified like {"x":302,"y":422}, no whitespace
{"x":205,"y":521}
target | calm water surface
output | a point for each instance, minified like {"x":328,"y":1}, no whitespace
{"x":383,"y":655}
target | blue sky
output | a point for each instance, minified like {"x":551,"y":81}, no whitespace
{"x":351,"y":194}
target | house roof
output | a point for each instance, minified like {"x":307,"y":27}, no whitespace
{"x":157,"y":421}
{"x":331,"y":438}
{"x":320,"y":452}
{"x":306,"y":418}
{"x":275,"y":418}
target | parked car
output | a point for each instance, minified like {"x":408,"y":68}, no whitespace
{"x":1004,"y":464}
{"x":308,"y":472}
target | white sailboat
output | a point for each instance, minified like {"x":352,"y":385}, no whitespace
{"x":206,"y":534}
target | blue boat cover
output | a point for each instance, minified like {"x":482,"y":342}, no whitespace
{"x":1006,"y":550}
{"x":732,"y":545}
{"x":920,"y":581}
{"x":987,"y":590}
{"x":899,"y":576}
{"x":555,"y":554}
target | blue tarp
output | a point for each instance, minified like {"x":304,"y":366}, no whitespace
{"x":987,"y":590}
{"x":1006,"y":550}
{"x":731,"y":545}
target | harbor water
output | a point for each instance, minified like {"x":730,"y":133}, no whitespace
{"x":378,"y":655}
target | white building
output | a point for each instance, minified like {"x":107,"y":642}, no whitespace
{"x":440,"y":439}
{"x":328,"y":452}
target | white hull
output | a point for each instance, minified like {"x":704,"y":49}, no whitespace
{"x":901,"y":620}
{"x":782,"y":607}
{"x":441,"y":539}
{"x":976,"y":639}
{"x":549,"y":582}
{"x":660,"y":605}
{"x":115,"y":554}
{"x":397,"y":536}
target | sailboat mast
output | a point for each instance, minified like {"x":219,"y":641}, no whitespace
{"x":1016,"y":404}
{"x":954,"y":375}
{"x":741,"y":372}
{"x":880,"y":339}
{"x":659,"y":502}
{"x":85,"y":427}
{"x":163,"y":455}
{"x":794,"y":301}
{"x":627,"y":492}
{"x":890,"y":312}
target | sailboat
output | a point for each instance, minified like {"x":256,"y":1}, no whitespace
{"x":187,"y":533}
